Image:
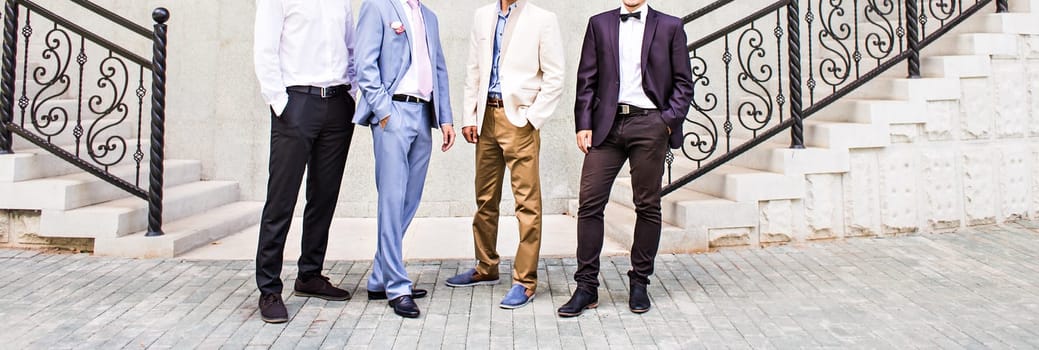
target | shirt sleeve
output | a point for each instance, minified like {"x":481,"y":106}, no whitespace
{"x":270,"y":18}
{"x":351,"y":43}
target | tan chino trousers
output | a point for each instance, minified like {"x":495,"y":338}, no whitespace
{"x":503,"y":144}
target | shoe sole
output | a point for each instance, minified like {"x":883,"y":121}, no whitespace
{"x":640,"y":311}
{"x":589,"y":307}
{"x":513,"y":307}
{"x":481,"y":283}
{"x":274,"y":320}
{"x":325,"y":297}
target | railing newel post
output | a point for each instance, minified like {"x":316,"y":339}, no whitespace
{"x":913,"y":38}
{"x":155,"y":173}
{"x":8,"y":73}
{"x":794,"y":51}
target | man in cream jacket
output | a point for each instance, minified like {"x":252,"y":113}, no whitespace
{"x":513,"y":85}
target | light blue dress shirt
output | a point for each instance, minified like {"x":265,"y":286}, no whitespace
{"x":499,"y":33}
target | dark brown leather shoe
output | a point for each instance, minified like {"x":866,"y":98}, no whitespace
{"x":405,"y":306}
{"x":319,"y":287}
{"x":415,"y":293}
{"x":580,"y":301}
{"x":272,"y":309}
{"x":638,"y":300}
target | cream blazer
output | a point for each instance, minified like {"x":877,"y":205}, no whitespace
{"x":531,"y":70}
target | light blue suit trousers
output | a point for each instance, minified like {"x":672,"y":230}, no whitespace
{"x":402,"y":152}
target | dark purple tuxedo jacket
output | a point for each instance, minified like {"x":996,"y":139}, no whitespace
{"x":666,"y":73}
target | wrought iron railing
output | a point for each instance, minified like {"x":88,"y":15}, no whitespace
{"x":767,"y":72}
{"x":84,"y":98}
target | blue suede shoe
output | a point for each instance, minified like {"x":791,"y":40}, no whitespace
{"x":470,"y":278}
{"x":516,"y":297}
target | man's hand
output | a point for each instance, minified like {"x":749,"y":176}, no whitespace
{"x":470,"y":134}
{"x":382,"y":123}
{"x":584,"y":140}
{"x":449,"y":136}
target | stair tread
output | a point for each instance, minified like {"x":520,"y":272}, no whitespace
{"x":189,"y":225}
{"x":82,"y":177}
{"x":130,"y":204}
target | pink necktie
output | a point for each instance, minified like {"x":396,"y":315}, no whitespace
{"x":420,"y":51}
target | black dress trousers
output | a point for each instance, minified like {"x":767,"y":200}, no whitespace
{"x":641,"y":140}
{"x":313,"y":134}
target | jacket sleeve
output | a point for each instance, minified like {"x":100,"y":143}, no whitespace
{"x":682,"y":78}
{"x":587,"y":81}
{"x":472,"y":78}
{"x":553,"y":69}
{"x":443,"y":99}
{"x":368,"y":48}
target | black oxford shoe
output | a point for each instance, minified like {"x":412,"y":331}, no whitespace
{"x":638,"y":301}
{"x":580,"y":301}
{"x":319,"y":287}
{"x":405,"y":306}
{"x":272,"y":309}
{"x":415,"y":294}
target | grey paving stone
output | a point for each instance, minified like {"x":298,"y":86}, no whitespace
{"x":971,"y":289}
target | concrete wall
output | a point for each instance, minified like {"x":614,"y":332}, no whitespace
{"x":215,"y":113}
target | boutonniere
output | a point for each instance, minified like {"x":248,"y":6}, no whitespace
{"x":397,"y":27}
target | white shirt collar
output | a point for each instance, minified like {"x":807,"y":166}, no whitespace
{"x":406,"y":6}
{"x":641,"y":8}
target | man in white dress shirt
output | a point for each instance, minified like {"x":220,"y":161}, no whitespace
{"x":305,"y":64}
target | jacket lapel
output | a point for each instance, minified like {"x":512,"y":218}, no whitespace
{"x":613,"y":34}
{"x":510,"y":25}
{"x":647,"y":39}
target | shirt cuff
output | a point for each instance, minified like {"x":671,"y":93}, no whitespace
{"x":279,"y":104}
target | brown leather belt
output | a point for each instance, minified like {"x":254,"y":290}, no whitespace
{"x":495,"y":103}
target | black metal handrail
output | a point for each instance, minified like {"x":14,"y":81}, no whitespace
{"x":695,"y":15}
{"x":848,"y":44}
{"x":115,"y":18}
{"x":95,"y":131}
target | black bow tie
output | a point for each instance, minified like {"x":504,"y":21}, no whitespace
{"x":626,"y":16}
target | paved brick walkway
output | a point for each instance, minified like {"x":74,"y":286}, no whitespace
{"x":977,"y":289}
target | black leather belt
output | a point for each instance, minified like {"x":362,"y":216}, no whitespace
{"x":408,"y":98}
{"x":323,"y":92}
{"x":495,"y":103}
{"x":624,"y":110}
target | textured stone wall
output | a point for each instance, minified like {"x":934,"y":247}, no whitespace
{"x":19,"y":228}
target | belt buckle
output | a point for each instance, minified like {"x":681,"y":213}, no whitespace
{"x":625,"y":109}
{"x":327,"y":92}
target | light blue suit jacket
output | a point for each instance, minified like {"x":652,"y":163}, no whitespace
{"x":383,"y":57}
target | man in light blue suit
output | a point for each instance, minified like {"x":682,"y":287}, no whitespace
{"x":403,"y":80}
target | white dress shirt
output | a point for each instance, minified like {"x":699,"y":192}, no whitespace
{"x":302,"y":42}
{"x":409,"y":84}
{"x":632,"y":33}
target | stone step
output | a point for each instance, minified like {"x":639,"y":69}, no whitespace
{"x":83,"y":189}
{"x":37,"y":163}
{"x":185,"y":234}
{"x":619,"y":225}
{"x":689,"y":209}
{"x":64,"y":133}
{"x":782,"y":159}
{"x":748,"y":185}
{"x":33,"y":164}
{"x":984,"y":44}
{"x":1010,"y":23}
{"x":128,"y":215}
{"x":833,"y":135}
{"x":959,"y":66}
{"x":874,"y":112}
{"x":921,"y":89}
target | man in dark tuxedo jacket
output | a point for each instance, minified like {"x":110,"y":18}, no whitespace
{"x":634,"y":88}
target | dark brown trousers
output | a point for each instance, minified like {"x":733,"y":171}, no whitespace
{"x":643,"y":141}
